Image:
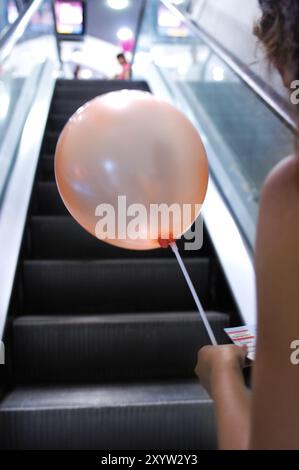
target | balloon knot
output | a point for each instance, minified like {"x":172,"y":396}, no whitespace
{"x":165,"y":242}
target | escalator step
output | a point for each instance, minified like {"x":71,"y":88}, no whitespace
{"x":110,"y":347}
{"x":46,"y":167}
{"x":47,"y":201}
{"x":56,"y":122}
{"x":75,"y":90}
{"x":103,"y":85}
{"x":72,"y":92}
{"x":58,"y":237}
{"x":70,"y":97}
{"x":67,"y":106}
{"x":117,"y":286}
{"x":158,"y":415}
{"x":50,"y":141}
{"x":52,"y":137}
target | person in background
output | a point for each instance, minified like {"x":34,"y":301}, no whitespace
{"x":77,"y":70}
{"x":268,"y":416}
{"x":126,"y":67}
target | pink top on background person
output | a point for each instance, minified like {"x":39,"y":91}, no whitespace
{"x":125,"y":73}
{"x":126,"y":68}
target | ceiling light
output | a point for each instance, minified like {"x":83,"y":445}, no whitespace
{"x":218,"y":74}
{"x":125,"y":34}
{"x":86,"y":74}
{"x":118,"y":4}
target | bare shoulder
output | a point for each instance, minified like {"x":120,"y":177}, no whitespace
{"x":282,"y":182}
{"x":279,"y":205}
{"x":276,"y":380}
{"x":277,"y":247}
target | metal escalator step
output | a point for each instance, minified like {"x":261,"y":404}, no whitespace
{"x":57,"y":121}
{"x":117,"y":286}
{"x":95,"y":348}
{"x":98,"y":88}
{"x":52,"y":137}
{"x":67,"y":106}
{"x":47,"y":201}
{"x":50,"y":142}
{"x":157,"y":415}
{"x":102,"y":85}
{"x":69,"y":99}
{"x":58,"y":237}
{"x":46,"y":168}
{"x":80,"y":92}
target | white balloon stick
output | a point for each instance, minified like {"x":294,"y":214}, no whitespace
{"x":194,"y":294}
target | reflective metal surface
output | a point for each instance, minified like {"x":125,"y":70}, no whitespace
{"x":22,"y":55}
{"x":28,"y":59}
{"x":17,"y":195}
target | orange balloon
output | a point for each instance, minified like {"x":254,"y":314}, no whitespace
{"x":121,"y":156}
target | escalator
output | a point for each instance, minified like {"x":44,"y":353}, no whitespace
{"x":101,"y":342}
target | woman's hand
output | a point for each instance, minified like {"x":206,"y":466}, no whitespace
{"x":220,"y":371}
{"x":213,"y":361}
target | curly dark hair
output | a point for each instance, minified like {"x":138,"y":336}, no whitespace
{"x":278,"y":31}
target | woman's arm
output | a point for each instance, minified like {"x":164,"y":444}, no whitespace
{"x":271,"y":420}
{"x":275,"y":404}
{"x":220,"y":371}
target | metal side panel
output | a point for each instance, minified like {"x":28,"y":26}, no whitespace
{"x":18,"y":192}
{"x":10,"y":143}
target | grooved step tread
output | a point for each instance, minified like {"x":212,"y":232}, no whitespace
{"x":156,"y":415}
{"x":110,"y":347}
{"x":116,"y":286}
{"x":47,"y":200}
{"x":59,"y":237}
